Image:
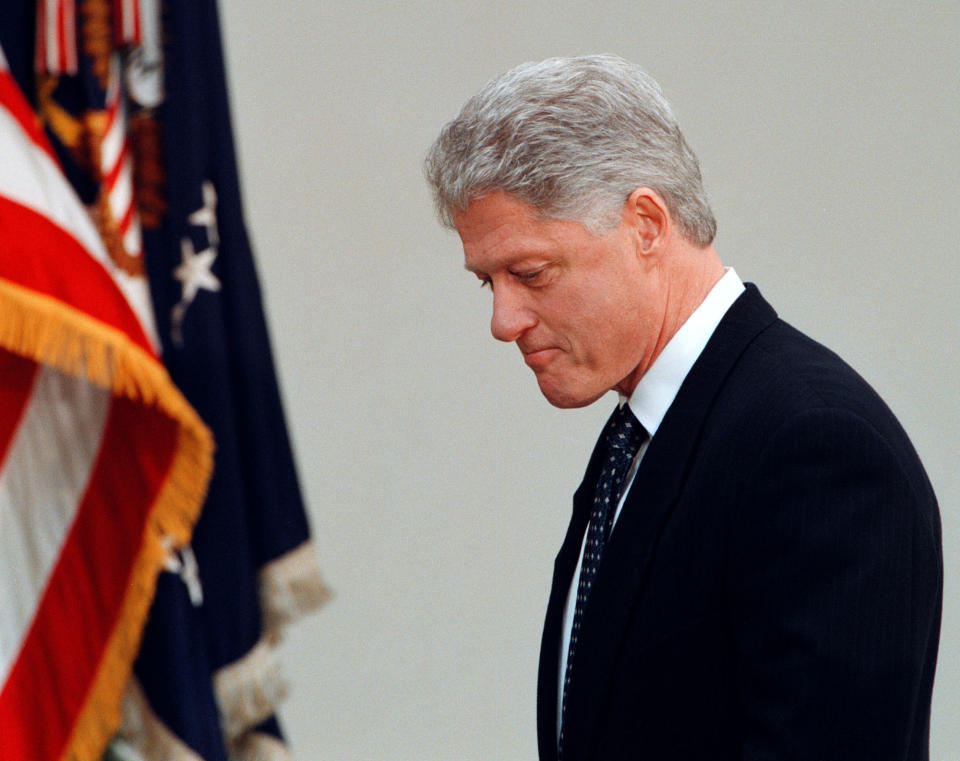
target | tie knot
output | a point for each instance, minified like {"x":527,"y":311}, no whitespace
{"x":624,"y":432}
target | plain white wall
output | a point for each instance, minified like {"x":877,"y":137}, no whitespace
{"x":438,"y":479}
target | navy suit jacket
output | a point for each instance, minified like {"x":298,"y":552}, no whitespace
{"x":772,"y":588}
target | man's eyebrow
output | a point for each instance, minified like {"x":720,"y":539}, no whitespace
{"x":518,"y":256}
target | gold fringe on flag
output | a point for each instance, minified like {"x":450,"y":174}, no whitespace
{"x":49,"y":332}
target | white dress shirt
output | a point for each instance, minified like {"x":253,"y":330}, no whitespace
{"x":649,"y":402}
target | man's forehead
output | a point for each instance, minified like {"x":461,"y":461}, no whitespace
{"x":491,"y":208}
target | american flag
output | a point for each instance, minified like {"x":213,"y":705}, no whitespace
{"x":103,"y":464}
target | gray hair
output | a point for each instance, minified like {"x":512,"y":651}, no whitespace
{"x":573,"y":137}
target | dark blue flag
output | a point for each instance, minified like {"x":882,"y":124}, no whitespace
{"x":207,"y":663}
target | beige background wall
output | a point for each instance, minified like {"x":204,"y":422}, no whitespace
{"x":438,"y":479}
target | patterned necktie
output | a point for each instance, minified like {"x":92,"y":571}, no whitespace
{"x":622,"y":438}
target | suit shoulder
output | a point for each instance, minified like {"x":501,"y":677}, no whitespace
{"x":792,"y":371}
{"x":783,"y":376}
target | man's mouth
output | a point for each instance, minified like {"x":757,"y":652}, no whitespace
{"x":537,"y":359}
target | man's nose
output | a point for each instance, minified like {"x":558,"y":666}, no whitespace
{"x":511,"y":317}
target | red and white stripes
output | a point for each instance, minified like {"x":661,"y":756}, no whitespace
{"x":126,"y":22}
{"x":116,"y":166}
{"x":57,"y":46}
{"x":56,"y":50}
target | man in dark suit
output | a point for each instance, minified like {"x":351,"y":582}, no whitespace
{"x":753,"y":567}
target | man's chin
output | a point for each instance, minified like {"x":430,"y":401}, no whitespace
{"x":566,"y":398}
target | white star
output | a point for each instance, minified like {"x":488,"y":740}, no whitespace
{"x":195,"y":270}
{"x":183,"y":562}
{"x":206,"y":215}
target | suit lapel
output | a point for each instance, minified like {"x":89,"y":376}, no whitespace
{"x":626,"y":559}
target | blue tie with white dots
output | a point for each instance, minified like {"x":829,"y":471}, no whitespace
{"x":622,"y":438}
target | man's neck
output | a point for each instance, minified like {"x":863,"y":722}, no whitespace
{"x":691,"y":273}
{"x":694,"y":272}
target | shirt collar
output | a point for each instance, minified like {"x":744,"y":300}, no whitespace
{"x":658,"y":387}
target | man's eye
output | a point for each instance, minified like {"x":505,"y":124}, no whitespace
{"x":528,"y":277}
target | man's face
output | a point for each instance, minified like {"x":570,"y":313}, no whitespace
{"x":585,"y":310}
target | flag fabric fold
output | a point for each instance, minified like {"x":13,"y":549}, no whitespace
{"x":104,"y":463}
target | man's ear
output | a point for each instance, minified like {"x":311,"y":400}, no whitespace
{"x":647,"y":214}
